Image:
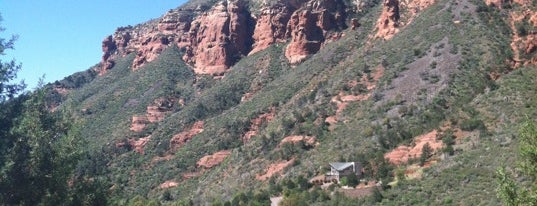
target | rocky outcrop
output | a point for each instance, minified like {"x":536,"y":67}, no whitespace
{"x":115,"y":45}
{"x":159,"y":109}
{"x":271,"y":26}
{"x":180,"y":139}
{"x":154,"y":113}
{"x":388,"y":23}
{"x":343,"y":99}
{"x":218,"y":38}
{"x":310,"y":26}
{"x":255,"y":124}
{"x":149,"y":50}
{"x":215,"y":38}
{"x":308,"y":140}
{"x":138,"y":145}
{"x":273,"y":169}
{"x":497,"y":3}
{"x":403,"y":154}
{"x":168,"y":184}
{"x":108,"y":47}
{"x":524,"y":42}
{"x":139,"y":123}
{"x":213,"y":160}
{"x":175,"y":22}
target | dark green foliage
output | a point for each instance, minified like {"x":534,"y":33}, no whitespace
{"x":8,"y":70}
{"x":42,"y":158}
{"x":377,"y":196}
{"x":426,"y":152}
{"x":449,"y":140}
{"x":471,"y":124}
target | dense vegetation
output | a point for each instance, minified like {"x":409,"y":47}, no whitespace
{"x":75,"y":148}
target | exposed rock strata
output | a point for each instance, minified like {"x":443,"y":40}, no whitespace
{"x":310,"y":26}
{"x":255,"y":124}
{"x":390,"y":22}
{"x":403,"y":154}
{"x":274,"y":169}
{"x":308,"y":140}
{"x":215,"y":38}
{"x":213,"y":160}
{"x":154,"y":113}
{"x":180,"y":139}
{"x":218,"y":38}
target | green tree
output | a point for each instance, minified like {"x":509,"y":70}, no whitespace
{"x":508,"y":190}
{"x":528,"y":148}
{"x":294,"y":199}
{"x":8,"y":70}
{"x":426,"y":152}
{"x":9,"y":110}
{"x":41,"y":160}
{"x":344,"y":181}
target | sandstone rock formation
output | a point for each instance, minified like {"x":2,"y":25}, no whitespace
{"x":342,"y":99}
{"x":168,"y":184}
{"x":403,"y":154}
{"x":388,"y":23}
{"x":271,"y":26}
{"x":213,"y":160}
{"x":524,"y":42}
{"x":256,"y":123}
{"x":159,"y":109}
{"x":139,"y":123}
{"x":149,"y":50}
{"x":308,"y":140}
{"x":138,"y":145}
{"x":497,"y":3}
{"x":274,"y":169}
{"x":310,"y":25}
{"x":154,"y":113}
{"x":180,"y":139}
{"x":214,"y":39}
{"x":218,"y":38}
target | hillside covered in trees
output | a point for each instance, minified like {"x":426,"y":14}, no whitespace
{"x":250,"y":102}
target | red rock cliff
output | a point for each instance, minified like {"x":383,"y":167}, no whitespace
{"x":387,"y":25}
{"x":215,"y":38}
{"x":310,"y":26}
{"x":271,"y":26}
{"x":218,"y":38}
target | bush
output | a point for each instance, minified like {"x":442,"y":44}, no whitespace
{"x":426,"y":152}
{"x":472,"y":124}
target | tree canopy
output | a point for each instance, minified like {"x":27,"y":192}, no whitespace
{"x":8,"y":70}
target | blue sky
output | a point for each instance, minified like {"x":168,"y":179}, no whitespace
{"x":60,"y":37}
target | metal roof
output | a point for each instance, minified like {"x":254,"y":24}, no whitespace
{"x":339,"y":166}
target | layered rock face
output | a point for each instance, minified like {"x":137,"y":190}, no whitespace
{"x":389,"y":22}
{"x":310,"y":26}
{"x":271,"y":26}
{"x":216,"y":38}
{"x":387,"y":25}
